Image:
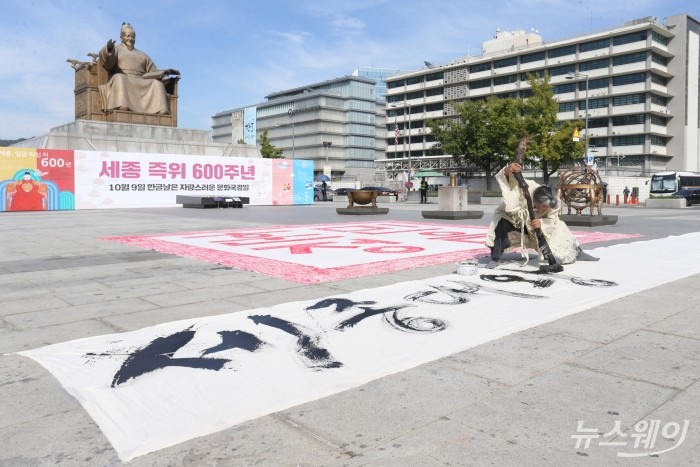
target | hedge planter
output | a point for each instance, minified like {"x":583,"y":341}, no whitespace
{"x":666,"y":203}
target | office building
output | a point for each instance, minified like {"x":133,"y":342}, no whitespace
{"x":339,"y":124}
{"x":636,"y":86}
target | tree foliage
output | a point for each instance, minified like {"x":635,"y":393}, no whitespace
{"x":550,"y":145}
{"x":484,"y":133}
{"x":267,"y":150}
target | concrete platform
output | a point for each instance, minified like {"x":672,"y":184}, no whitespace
{"x":203,"y":202}
{"x":452,"y":215}
{"x":361,"y":211}
{"x":588,"y":221}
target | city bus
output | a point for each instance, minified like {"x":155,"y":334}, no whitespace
{"x":667,"y":183}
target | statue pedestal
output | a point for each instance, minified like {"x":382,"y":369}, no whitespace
{"x":125,"y":137}
{"x":452,"y":204}
{"x":588,"y":221}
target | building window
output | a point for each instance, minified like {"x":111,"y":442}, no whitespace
{"x":564,"y":88}
{"x":661,"y":60}
{"x":562,"y":51}
{"x":567,"y":106}
{"x":630,"y":58}
{"x":594,"y":45}
{"x":656,"y":37}
{"x":656,"y":120}
{"x":505,"y":80}
{"x":414,"y":80}
{"x":415,"y":95}
{"x":629,"y":38}
{"x":480,"y":67}
{"x":481,"y":83}
{"x":659,"y":100}
{"x":396,"y":84}
{"x":534,"y":73}
{"x":629,"y":79}
{"x":628,"y":140}
{"x":598,"y":122}
{"x":529,"y":58}
{"x":601,"y":142}
{"x":628,"y":100}
{"x":434,"y":76}
{"x":656,"y":79}
{"x":505,"y":62}
{"x":595,"y":83}
{"x":433,"y":92}
{"x":594,"y":64}
{"x":560,"y":70}
{"x":658,"y":140}
{"x":623,"y":120}
{"x":601,"y":103}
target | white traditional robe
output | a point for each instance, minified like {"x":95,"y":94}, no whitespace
{"x":514,"y":209}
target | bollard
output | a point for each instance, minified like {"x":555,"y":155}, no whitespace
{"x":608,"y":200}
{"x":617,"y":200}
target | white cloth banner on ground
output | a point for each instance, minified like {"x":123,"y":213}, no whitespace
{"x":162,"y":385}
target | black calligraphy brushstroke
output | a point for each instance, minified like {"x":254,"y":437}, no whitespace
{"x":574,"y":279}
{"x":367,"y":313}
{"x":592,"y":282}
{"x":341,"y":304}
{"x":307,"y":346}
{"x":504,"y":292}
{"x":158,"y":354}
{"x":415,"y":324}
{"x":455,"y":296}
{"x":539,"y":283}
{"x":235,"y":340}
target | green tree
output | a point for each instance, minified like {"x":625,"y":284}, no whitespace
{"x":267,"y":150}
{"x":549,"y":143}
{"x":484,"y":133}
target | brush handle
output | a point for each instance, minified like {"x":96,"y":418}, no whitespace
{"x":541,"y":240}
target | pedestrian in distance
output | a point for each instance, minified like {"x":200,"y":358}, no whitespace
{"x":423,"y":191}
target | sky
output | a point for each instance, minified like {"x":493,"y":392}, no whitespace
{"x":233,"y":53}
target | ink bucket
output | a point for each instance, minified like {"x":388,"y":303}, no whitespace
{"x":467,"y":268}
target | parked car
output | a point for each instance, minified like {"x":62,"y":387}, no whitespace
{"x":691,"y":195}
{"x":318,"y":196}
{"x":382,"y":191}
{"x":344,"y":191}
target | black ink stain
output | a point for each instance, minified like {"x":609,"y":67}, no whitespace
{"x":368,"y":313}
{"x":448,"y":295}
{"x":158,"y":354}
{"x":416,"y":323}
{"x":307,"y":346}
{"x":539,"y":283}
{"x":235,"y":340}
{"x":340,"y":304}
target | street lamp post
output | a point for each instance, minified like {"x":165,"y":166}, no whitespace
{"x":576,"y":75}
{"x":327,"y":144}
{"x":291,"y":114}
{"x":409,"y":142}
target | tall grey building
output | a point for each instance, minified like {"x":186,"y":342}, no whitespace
{"x":337,"y":123}
{"x":635,"y":85}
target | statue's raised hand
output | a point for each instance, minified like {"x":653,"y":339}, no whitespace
{"x":110,"y":46}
